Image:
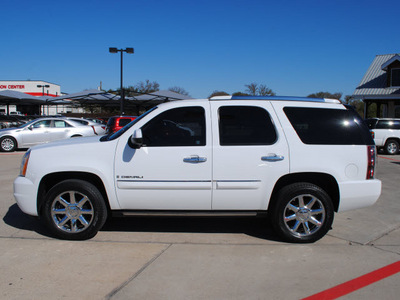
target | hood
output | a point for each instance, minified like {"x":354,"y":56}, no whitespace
{"x":71,"y":142}
{"x":5,"y":131}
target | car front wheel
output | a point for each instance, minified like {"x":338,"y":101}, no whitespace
{"x":74,"y":210}
{"x":303,"y":213}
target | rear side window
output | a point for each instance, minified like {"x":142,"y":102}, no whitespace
{"x":245,"y":125}
{"x":319,"y":126}
{"x":388,"y":124}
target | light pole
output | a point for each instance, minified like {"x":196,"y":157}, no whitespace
{"x":44,"y":86}
{"x":130,"y":51}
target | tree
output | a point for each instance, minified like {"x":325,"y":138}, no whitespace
{"x":326,"y":95}
{"x":357,"y":104}
{"x":240,"y":94}
{"x":147,"y":87}
{"x":263,"y":90}
{"x":251,"y":89}
{"x":218,"y":93}
{"x":178,"y":90}
{"x":254,"y":89}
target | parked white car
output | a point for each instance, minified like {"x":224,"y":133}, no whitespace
{"x":386,"y":134}
{"x":40,"y":131}
{"x":297,"y":160}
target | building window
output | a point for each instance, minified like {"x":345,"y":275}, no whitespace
{"x":395,"y":77}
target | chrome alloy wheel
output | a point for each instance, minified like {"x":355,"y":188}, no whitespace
{"x":304,"y":215}
{"x":392,"y":148}
{"x":7,"y":144}
{"x":72,"y":211}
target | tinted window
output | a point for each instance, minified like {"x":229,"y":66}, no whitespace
{"x":245,"y":125}
{"x":388,"y":124}
{"x":371,"y":123}
{"x":328,"y":126}
{"x":123,"y":122}
{"x":176,"y":127}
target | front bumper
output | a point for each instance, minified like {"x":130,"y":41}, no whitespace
{"x":25,"y":194}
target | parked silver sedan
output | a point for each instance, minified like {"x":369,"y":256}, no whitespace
{"x":100,"y":129}
{"x":41,"y":131}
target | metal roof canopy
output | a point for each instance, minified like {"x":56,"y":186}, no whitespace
{"x":103,"y":98}
{"x":90,"y":97}
{"x":15,"y":97}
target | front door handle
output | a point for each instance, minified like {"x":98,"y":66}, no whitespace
{"x":194,"y":159}
{"x":272,"y":158}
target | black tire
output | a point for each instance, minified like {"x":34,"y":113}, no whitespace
{"x":74,"y":210}
{"x":302,"y":213}
{"x":8,"y":144}
{"x":392,"y":147}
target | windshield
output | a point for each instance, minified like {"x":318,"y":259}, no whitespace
{"x":120,"y":132}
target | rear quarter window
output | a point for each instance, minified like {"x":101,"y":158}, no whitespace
{"x":320,"y":126}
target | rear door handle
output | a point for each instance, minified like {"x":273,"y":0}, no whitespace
{"x":194,"y":159}
{"x":272,"y":158}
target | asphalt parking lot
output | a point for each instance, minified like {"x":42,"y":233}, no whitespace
{"x":203,"y":258}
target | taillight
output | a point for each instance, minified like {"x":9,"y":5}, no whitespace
{"x":373,"y":134}
{"x":371,"y":162}
{"x":94,"y":130}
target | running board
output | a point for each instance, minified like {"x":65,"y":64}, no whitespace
{"x":168,"y":213}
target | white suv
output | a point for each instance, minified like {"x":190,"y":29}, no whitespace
{"x":297,"y":159}
{"x":386,"y":134}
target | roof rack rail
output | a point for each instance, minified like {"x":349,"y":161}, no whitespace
{"x":275,"y":98}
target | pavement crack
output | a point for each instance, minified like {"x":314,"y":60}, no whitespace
{"x":119,"y":288}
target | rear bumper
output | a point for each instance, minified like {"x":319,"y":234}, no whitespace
{"x":357,"y":194}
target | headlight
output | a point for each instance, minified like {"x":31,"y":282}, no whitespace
{"x":24,"y":163}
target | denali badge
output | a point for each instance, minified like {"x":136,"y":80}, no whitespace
{"x":130,"y":177}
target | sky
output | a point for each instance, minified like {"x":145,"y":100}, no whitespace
{"x":295,"y":48}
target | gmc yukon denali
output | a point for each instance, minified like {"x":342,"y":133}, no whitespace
{"x":295,"y":160}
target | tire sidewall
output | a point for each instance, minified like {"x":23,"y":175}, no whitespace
{"x":289,"y":192}
{"x":96,"y":199}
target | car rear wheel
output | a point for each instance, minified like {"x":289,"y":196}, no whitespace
{"x":8,"y":144}
{"x":74,"y":210}
{"x":392,"y":147}
{"x":303,"y":213}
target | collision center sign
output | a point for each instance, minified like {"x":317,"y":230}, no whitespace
{"x":12,"y":87}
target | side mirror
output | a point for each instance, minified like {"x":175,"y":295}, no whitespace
{"x":136,"y":139}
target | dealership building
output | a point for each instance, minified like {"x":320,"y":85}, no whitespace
{"x":34,"y":88}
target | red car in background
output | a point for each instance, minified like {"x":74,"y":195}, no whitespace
{"x":117,"y":122}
